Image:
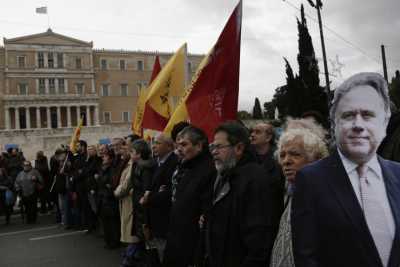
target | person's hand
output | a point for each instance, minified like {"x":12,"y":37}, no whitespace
{"x":162,"y":188}
{"x":142,"y":201}
{"x":201,"y":221}
{"x":34,"y":178}
{"x":96,"y":176}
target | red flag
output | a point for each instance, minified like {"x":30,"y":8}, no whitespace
{"x":140,"y":105}
{"x":214,"y":96}
{"x":156,"y":69}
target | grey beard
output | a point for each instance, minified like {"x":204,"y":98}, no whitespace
{"x":226,"y":165}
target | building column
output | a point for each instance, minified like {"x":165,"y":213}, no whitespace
{"x":69,"y":117}
{"x":48,"y":118}
{"x":96,"y":115}
{"x":88,"y":117}
{"x":27,"y":118}
{"x":59,"y":117}
{"x":38,"y":126}
{"x":46,"y":85}
{"x":78,"y":114}
{"x":7,"y":118}
{"x":17,"y":124}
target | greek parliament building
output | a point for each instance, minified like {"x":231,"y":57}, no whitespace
{"x":48,"y":81}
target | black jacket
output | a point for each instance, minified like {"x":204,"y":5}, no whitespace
{"x":108,"y":204}
{"x":239,"y":227}
{"x":193,"y":195}
{"x":159,"y":203}
{"x":328,"y":225}
{"x":141,"y":177}
{"x":277,"y":184}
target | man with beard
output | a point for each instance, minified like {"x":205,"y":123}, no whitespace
{"x":190,"y":198}
{"x":238,"y":225}
{"x":345,"y":209}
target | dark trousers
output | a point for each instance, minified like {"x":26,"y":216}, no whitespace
{"x":112,"y":231}
{"x":87,"y":216}
{"x":30,"y":207}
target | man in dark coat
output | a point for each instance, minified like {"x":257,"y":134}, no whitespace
{"x":262,"y":138}
{"x":80,"y":185}
{"x":190,"y":198}
{"x":238,"y":224}
{"x":42,"y":165}
{"x":158,"y":196}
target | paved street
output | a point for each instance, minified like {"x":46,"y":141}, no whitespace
{"x":46,"y":245}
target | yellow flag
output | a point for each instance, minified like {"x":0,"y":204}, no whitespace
{"x":181,"y":113}
{"x":75,"y":137}
{"x":165,"y":91}
{"x":137,"y":122}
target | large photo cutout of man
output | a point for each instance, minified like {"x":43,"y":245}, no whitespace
{"x":346,"y":208}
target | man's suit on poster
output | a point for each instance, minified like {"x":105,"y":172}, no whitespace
{"x":328,"y":224}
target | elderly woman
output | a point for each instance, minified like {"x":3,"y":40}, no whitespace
{"x":124,"y":193}
{"x":297,"y":147}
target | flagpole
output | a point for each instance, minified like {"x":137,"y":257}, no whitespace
{"x":48,"y":18}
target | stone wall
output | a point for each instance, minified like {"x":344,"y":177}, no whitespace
{"x":31,"y":141}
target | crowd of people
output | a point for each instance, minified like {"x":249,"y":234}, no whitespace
{"x":249,"y":198}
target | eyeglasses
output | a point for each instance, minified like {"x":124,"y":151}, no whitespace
{"x":213,"y":147}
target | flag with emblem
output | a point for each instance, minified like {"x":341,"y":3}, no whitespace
{"x":137,"y":122}
{"x":212,"y":96}
{"x":73,"y":146}
{"x":165,"y":91}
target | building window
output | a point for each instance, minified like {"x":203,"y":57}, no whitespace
{"x":78,"y":63}
{"x":60,"y":60}
{"x":140,"y":65}
{"x":103,"y":64}
{"x":139,"y":86}
{"x":23,"y":88}
{"x":79,"y":88}
{"x":125,"y":116}
{"x":122,"y":64}
{"x":42,"y":86}
{"x":124,"y":89}
{"x":41,"y":60}
{"x":105,"y":90}
{"x":50,"y":60}
{"x":52,"y":86}
{"x":107,"y":116}
{"x":21,"y":62}
{"x":61,"y":86}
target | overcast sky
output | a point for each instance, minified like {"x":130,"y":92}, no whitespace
{"x":354,"y":32}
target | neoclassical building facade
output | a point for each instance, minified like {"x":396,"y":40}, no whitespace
{"x":49,"y":81}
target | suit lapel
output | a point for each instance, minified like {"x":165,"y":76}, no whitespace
{"x":393,"y":192}
{"x":344,"y":192}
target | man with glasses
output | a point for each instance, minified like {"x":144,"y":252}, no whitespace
{"x":238,"y":225}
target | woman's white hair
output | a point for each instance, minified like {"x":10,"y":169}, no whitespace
{"x":314,"y":146}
